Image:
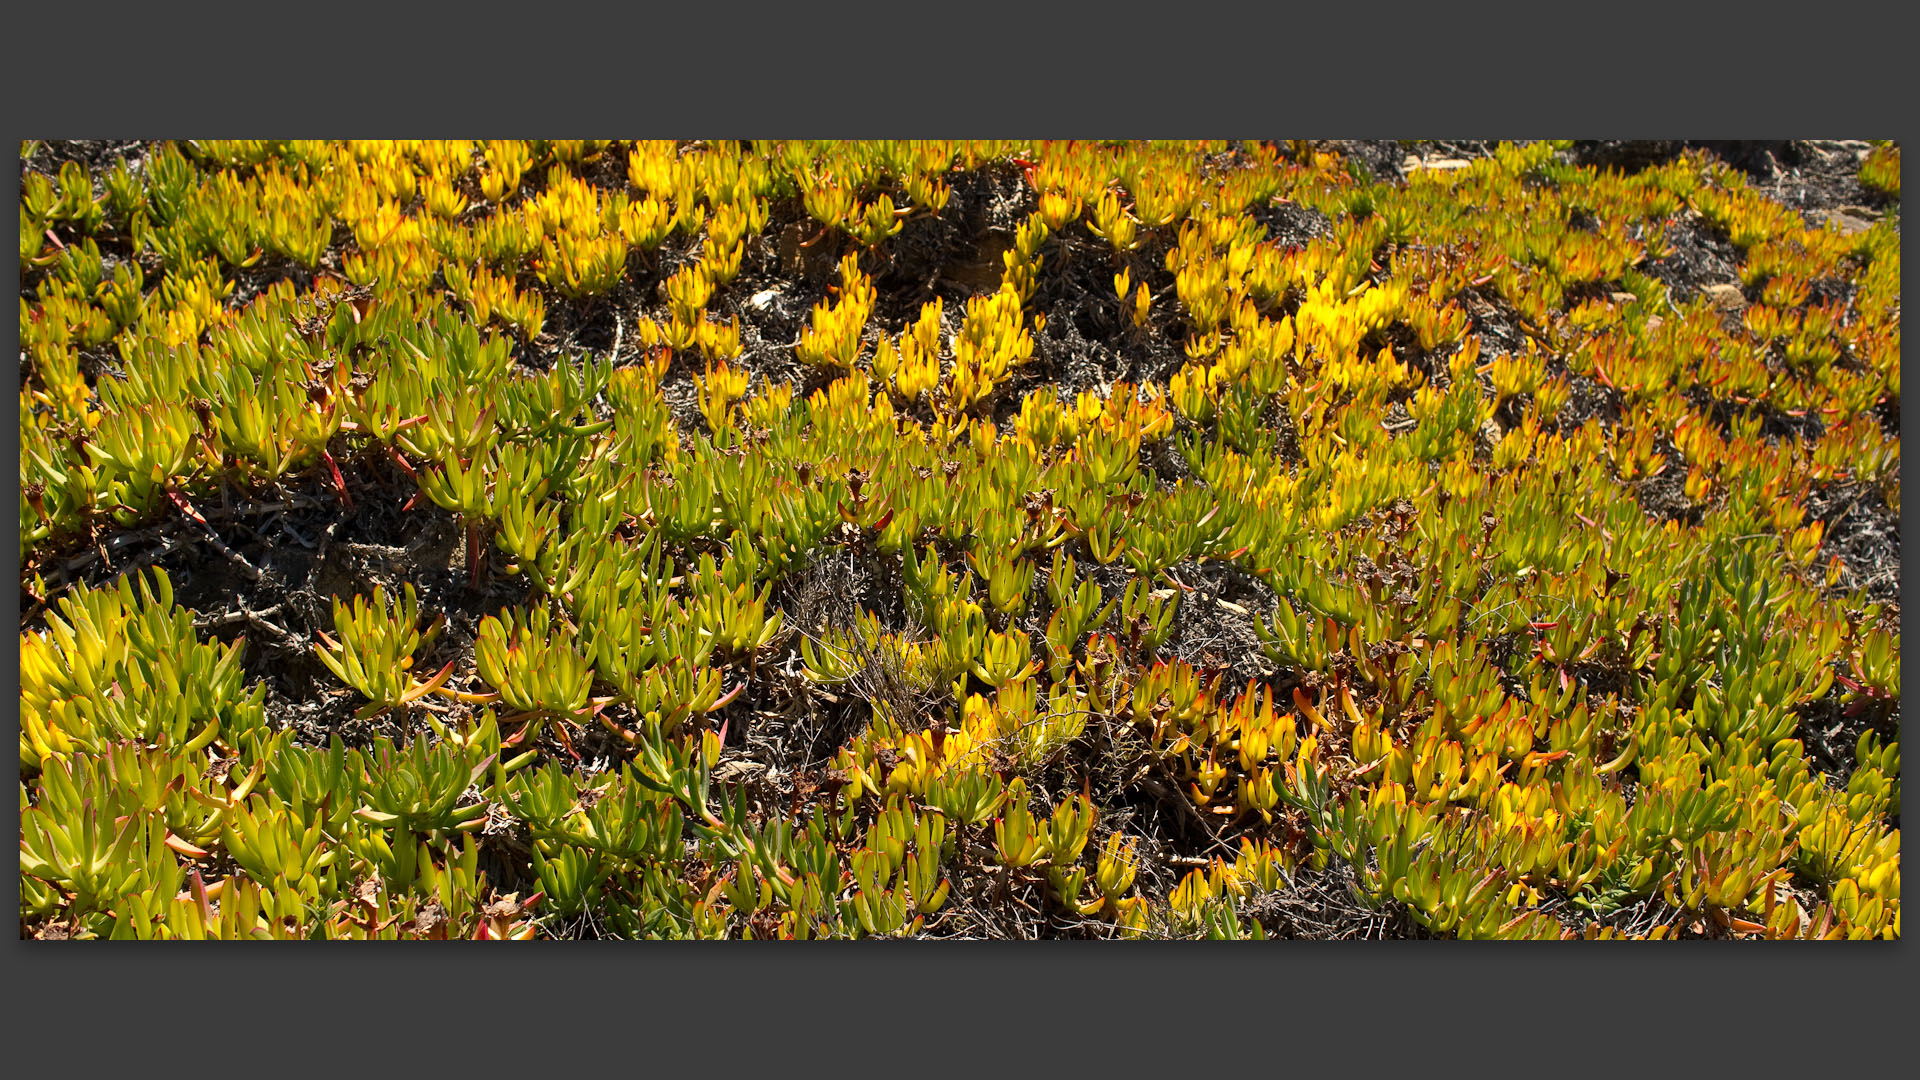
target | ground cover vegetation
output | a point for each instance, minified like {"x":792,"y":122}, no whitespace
{"x":710,"y":539}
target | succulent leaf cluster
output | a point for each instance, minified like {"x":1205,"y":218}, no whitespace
{"x":1494,"y":678}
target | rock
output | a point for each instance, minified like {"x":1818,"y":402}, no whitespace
{"x":1491,"y":432}
{"x":762,"y":299}
{"x":738,"y":770}
{"x":1725,"y":297}
{"x":789,"y":247}
{"x":1841,"y":220}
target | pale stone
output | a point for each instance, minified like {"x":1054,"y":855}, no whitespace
{"x":1847,"y":223}
{"x":1725,"y":297}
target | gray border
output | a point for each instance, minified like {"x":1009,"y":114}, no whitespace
{"x":1524,"y":71}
